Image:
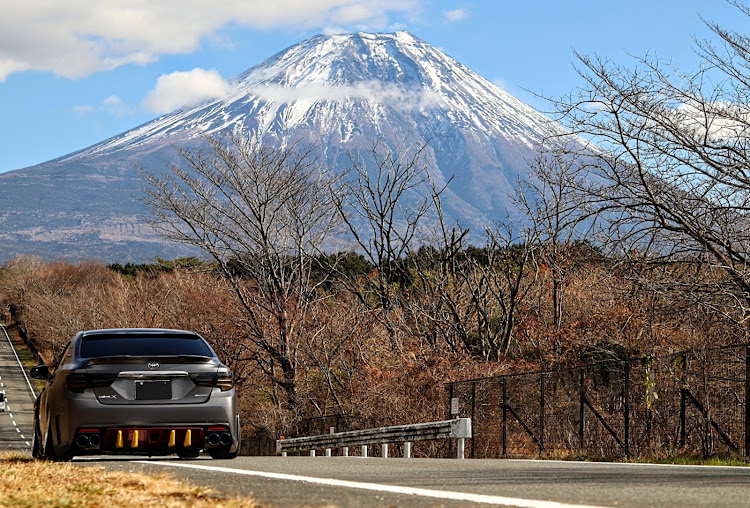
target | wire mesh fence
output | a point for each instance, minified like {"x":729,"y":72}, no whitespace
{"x":691,"y":403}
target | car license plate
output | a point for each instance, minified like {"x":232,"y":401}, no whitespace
{"x":153,"y":390}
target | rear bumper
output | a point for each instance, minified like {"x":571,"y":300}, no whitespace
{"x":151,"y":440}
{"x":147,"y":428}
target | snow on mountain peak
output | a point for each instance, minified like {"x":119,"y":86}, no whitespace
{"x":324,"y":80}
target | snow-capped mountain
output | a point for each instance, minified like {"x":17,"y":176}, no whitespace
{"x":340,"y":92}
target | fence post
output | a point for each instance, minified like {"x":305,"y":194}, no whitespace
{"x":541,"y":413}
{"x":626,"y":388}
{"x":682,"y":416}
{"x":580,"y":413}
{"x":505,"y":416}
{"x":473,"y":419}
{"x":747,"y":401}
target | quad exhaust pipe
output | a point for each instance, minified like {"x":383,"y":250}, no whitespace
{"x":216,"y":439}
{"x":90,"y":441}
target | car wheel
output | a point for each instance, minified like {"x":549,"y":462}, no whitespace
{"x":50,"y":453}
{"x":47,"y":451}
{"x":224,"y":453}
{"x":36,"y":442}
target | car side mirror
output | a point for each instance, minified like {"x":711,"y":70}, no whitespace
{"x":41,"y":372}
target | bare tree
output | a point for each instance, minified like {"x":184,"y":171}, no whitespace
{"x":388,"y":200}
{"x":553,"y":200}
{"x":261,"y":213}
{"x":671,"y":155}
{"x":470,"y":297}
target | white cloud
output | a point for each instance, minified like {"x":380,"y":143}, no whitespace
{"x":112,"y":105}
{"x":372,"y":91}
{"x":721,"y":120}
{"x":74,"y":38}
{"x":181,"y":89}
{"x":455,"y":15}
{"x":501,"y":84}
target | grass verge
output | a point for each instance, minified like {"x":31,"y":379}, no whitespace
{"x":25,"y":482}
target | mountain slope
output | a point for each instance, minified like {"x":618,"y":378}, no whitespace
{"x":339,"y":92}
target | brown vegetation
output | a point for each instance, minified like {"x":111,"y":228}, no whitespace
{"x":345,"y":359}
{"x":27,"y":482}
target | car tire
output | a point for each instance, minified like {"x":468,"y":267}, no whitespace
{"x":36,"y":443}
{"x":224,"y":453}
{"x":50,"y":453}
{"x":47,"y":451}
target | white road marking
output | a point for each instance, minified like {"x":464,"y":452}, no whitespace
{"x":23,"y":371}
{"x":743,"y":469}
{"x":392,"y":489}
{"x":14,"y":422}
{"x":28,"y":444}
{"x":17,"y":429}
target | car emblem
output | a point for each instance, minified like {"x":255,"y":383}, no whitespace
{"x":153,"y":365}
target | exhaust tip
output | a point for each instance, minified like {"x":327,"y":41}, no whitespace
{"x":226,"y":438}
{"x":213,"y":439}
{"x":95,"y":440}
{"x":82,"y":441}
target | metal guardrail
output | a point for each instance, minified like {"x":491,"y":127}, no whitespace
{"x":459,"y":428}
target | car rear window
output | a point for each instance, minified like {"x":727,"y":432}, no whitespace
{"x":101,"y":346}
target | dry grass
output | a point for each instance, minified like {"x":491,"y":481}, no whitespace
{"x":25,"y":482}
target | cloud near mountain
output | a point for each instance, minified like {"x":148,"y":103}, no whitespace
{"x":182,"y":89}
{"x":373,"y":91}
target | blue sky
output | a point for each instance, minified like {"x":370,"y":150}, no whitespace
{"x":75,"y":72}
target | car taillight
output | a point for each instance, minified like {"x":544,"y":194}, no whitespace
{"x":79,"y":381}
{"x":223,"y":379}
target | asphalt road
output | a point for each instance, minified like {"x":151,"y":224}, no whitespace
{"x":16,"y":423}
{"x":376,"y":482}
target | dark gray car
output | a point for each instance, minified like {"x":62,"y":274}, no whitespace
{"x":136,"y":391}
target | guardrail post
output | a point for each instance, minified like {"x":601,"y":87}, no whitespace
{"x":312,"y":453}
{"x":328,"y":452}
{"x":364,"y":450}
{"x":345,"y":451}
{"x":407,"y":450}
{"x":461,"y":446}
{"x":384,"y":449}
